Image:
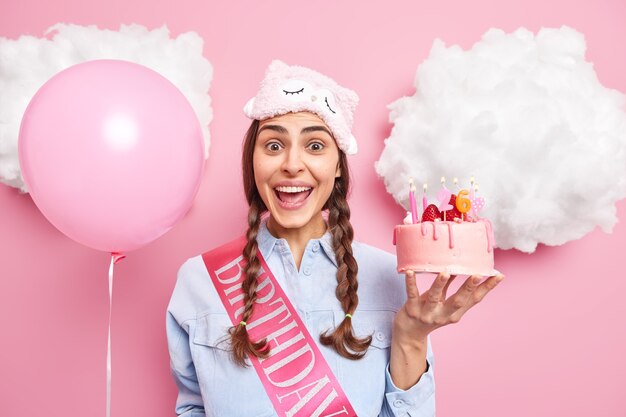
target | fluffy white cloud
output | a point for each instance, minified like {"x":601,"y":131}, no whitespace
{"x":526,"y":115}
{"x":28,"y":62}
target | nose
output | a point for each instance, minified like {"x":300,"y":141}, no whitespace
{"x":293,"y":163}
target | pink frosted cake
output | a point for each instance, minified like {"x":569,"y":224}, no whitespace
{"x":456,"y":246}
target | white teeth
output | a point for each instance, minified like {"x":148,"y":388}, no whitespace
{"x":283,"y":189}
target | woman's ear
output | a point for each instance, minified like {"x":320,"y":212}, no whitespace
{"x":338,"y":171}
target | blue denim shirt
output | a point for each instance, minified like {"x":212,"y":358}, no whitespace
{"x":210,"y":384}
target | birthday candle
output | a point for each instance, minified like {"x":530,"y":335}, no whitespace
{"x":444,"y":198}
{"x":412,"y":200}
{"x":424,"y":199}
{"x":477,"y":202}
{"x":463,"y":204}
{"x":471,"y":187}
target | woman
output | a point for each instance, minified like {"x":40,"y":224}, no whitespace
{"x":371,"y":354}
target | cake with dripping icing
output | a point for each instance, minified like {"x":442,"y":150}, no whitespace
{"x":455,"y":244}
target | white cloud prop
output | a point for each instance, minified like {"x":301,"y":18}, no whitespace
{"x":527,"y":116}
{"x":28,"y":62}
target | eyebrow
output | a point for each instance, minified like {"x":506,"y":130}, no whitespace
{"x":316,"y":129}
{"x":275,"y":128}
{"x":284,"y":131}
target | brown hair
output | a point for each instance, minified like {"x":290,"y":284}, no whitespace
{"x":342,"y":339}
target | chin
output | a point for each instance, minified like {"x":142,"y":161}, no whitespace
{"x":292,"y":221}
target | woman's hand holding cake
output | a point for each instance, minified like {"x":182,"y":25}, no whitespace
{"x":425,"y":312}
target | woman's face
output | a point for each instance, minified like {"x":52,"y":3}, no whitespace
{"x":296,"y":161}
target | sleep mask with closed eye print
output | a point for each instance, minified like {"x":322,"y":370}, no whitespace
{"x":289,"y":89}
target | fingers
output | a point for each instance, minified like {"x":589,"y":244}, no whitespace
{"x":484,"y":288}
{"x":411,"y":286}
{"x":445,"y":288}
{"x":471,"y":293}
{"x":463,"y":295}
{"x":435,"y":294}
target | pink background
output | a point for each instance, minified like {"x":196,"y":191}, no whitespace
{"x":548,"y":342}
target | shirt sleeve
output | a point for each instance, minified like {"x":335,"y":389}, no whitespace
{"x":179,"y":320}
{"x":417,"y":401}
{"x":189,"y":401}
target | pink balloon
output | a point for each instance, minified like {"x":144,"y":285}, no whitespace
{"x":112,"y":154}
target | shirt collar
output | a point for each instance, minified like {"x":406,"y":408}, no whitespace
{"x":267,"y":241}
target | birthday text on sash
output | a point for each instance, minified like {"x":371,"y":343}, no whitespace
{"x":299,"y":385}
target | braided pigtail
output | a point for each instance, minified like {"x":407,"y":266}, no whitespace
{"x":343,"y":339}
{"x":242,"y":346}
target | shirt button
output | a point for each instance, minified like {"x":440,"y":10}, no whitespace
{"x":380,"y":336}
{"x":398,"y":403}
{"x":316,"y":247}
{"x":307,"y":271}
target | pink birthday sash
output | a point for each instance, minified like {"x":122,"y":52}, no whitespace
{"x":296,"y":376}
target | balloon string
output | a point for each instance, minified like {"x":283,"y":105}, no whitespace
{"x":115,"y":258}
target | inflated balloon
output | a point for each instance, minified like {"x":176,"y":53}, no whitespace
{"x":111,"y":153}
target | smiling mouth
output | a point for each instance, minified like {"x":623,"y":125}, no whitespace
{"x":292,"y":196}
